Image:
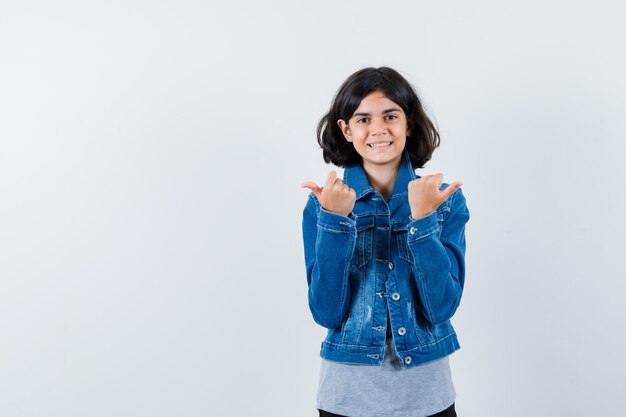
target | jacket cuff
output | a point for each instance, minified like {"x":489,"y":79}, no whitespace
{"x":336,"y":222}
{"x":422,"y":227}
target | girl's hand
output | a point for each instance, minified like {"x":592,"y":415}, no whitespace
{"x":425,"y":196}
{"x":335,"y":196}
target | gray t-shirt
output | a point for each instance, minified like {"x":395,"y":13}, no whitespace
{"x":385,"y":390}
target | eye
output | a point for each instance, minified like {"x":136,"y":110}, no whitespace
{"x":391,"y":117}
{"x":362,"y":120}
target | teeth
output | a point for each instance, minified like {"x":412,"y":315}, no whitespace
{"x":378,"y":145}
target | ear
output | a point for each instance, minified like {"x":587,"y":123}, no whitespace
{"x":345,"y":129}
{"x":409,"y":127}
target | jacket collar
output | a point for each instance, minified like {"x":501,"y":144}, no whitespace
{"x":355,"y":178}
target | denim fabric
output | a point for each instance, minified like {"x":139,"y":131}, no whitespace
{"x":379,"y":260}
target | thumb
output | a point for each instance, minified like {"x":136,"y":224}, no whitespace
{"x":330,"y":179}
{"x":313,"y":187}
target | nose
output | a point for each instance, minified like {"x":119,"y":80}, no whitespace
{"x":377,"y":126}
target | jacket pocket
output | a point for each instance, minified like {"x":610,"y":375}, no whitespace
{"x":399,"y":230}
{"x":425,"y":339}
{"x":363,"y":247}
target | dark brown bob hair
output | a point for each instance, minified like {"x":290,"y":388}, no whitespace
{"x":338,"y":151}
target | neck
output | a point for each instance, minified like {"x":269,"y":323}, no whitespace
{"x":382,"y":177}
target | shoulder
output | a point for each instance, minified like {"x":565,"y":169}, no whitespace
{"x":458,"y":205}
{"x":456,"y":197}
{"x":454,"y":207}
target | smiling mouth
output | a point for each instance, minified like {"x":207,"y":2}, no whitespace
{"x":379,"y":145}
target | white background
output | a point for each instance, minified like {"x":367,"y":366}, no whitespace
{"x":151,"y":153}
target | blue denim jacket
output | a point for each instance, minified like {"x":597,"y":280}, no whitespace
{"x":378,"y":263}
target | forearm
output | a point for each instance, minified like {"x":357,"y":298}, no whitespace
{"x":329,"y":241}
{"x":439,"y":260}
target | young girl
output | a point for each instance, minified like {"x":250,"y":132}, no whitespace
{"x":384,"y":252}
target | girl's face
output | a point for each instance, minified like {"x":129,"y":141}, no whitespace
{"x":378,"y":130}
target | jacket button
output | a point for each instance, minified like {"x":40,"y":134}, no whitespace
{"x":407,"y":360}
{"x":390,"y":266}
{"x":401,"y":331}
{"x":412,"y":230}
{"x":395,"y":296}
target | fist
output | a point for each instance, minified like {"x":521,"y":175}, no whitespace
{"x":425,"y":196}
{"x":336,"y":196}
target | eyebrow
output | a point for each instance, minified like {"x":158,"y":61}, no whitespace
{"x":369,"y":114}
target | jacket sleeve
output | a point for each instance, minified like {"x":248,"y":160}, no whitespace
{"x":439,"y":259}
{"x":329,"y":241}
